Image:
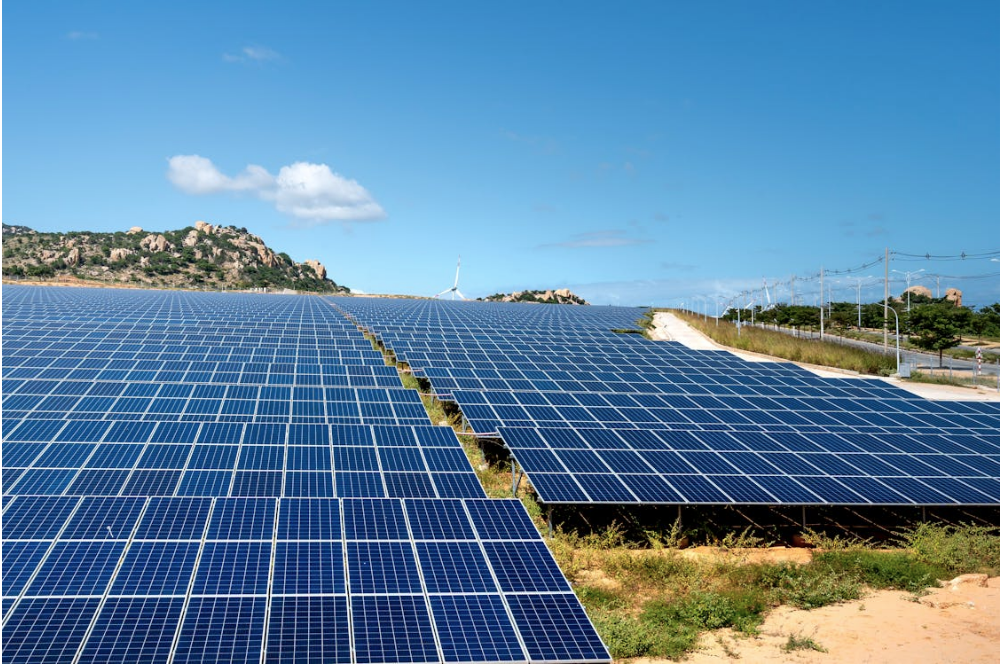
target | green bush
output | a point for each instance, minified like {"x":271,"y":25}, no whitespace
{"x":626,"y":636}
{"x":709,"y":610}
{"x":806,"y":587}
{"x":966,"y":548}
{"x":882,"y":570}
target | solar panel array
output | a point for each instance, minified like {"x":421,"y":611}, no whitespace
{"x":234,"y":478}
{"x":597,"y":417}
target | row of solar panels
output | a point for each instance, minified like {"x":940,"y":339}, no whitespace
{"x":486,"y":416}
{"x":160,"y":358}
{"x":749,"y":468}
{"x":171,"y":580}
{"x":654,"y":383}
{"x":42,"y":388}
{"x":36,"y":407}
{"x":478,"y":317}
{"x":336,"y":377}
{"x":703,"y":427}
{"x":133,"y":536}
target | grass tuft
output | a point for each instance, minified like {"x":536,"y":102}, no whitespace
{"x":801,"y":643}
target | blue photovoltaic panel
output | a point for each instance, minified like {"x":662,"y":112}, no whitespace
{"x":308,"y":629}
{"x":558,"y":488}
{"x":382,"y":567}
{"x":408,"y":485}
{"x":222,"y":630}
{"x":309,"y":519}
{"x":524,"y":567}
{"x":458,"y":486}
{"x":359,"y":484}
{"x":133,"y":630}
{"x":156,"y":568}
{"x":454,"y":567}
{"x":501,"y":520}
{"x":47,"y":630}
{"x":242,"y":519}
{"x":372,"y":519}
{"x":181,"y":518}
{"x":104,"y":518}
{"x":438,"y":520}
{"x":227,"y":568}
{"x":413,"y":640}
{"x":555,"y":628}
{"x":32,"y":517}
{"x":205,"y":483}
{"x":309,"y":568}
{"x":20,"y":558}
{"x":181,"y":429}
{"x":76,"y":568}
{"x":475,"y":629}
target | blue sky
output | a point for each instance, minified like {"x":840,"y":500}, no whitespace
{"x":637,"y":154}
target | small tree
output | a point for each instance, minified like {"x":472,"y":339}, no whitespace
{"x":841,"y":321}
{"x":985,"y":321}
{"x":937,"y":327}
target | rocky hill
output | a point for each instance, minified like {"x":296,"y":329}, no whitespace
{"x":557,"y":297}
{"x":199,"y":256}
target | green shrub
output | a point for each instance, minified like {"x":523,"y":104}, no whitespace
{"x":806,"y":587}
{"x":966,"y":548}
{"x":883,"y":570}
{"x":709,"y":610}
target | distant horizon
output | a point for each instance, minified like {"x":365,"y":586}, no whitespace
{"x":803,"y":286}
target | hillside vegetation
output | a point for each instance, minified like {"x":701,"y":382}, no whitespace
{"x":549,"y":296}
{"x":199,"y":256}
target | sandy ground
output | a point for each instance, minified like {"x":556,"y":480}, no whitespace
{"x":954,"y":624}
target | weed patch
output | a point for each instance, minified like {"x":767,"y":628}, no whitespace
{"x":801,"y":643}
{"x":953,"y":550}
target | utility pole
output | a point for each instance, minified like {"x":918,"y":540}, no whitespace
{"x":887,"y":292}
{"x":822,"y":302}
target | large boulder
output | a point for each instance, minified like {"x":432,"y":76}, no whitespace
{"x":119,"y":253}
{"x":73,"y":258}
{"x":191,"y":239}
{"x":155,"y":243}
{"x":317,"y":267}
{"x":918,"y":290}
{"x":955,"y":296}
{"x":134,"y":230}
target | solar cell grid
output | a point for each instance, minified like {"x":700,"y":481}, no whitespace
{"x":47,"y":630}
{"x":308,"y":629}
{"x":212,"y":335}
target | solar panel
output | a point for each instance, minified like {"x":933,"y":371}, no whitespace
{"x":133,"y":630}
{"x":178,"y":483}
{"x":308,"y":629}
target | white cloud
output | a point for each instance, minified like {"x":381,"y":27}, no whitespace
{"x":313,"y":192}
{"x":194,"y":174}
{"x":310,"y":192}
{"x":609,"y":238}
{"x":253,"y":54}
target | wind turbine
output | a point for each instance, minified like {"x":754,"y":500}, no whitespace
{"x":455,"y":287}
{"x":768,"y":300}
